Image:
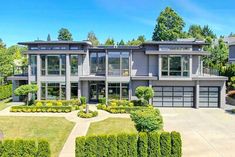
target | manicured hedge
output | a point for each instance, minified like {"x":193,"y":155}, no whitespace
{"x":154,"y":144}
{"x":72,"y":102}
{"x":5,"y":91}
{"x":41,"y":109}
{"x":19,"y":147}
{"x":125,"y":109}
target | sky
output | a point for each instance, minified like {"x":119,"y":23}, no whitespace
{"x":28,"y":20}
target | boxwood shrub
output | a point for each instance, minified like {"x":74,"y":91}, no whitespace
{"x":157,"y":144}
{"x":83,"y":114}
{"x":54,"y":109}
{"x":72,"y":102}
{"x":5,"y":91}
{"x":27,"y":148}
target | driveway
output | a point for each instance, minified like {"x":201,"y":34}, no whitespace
{"x":205,"y":132}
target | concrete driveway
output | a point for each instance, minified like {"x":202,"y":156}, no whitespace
{"x":205,"y":132}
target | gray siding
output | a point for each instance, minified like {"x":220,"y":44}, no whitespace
{"x":232,"y":52}
{"x":153,"y":65}
{"x":139,"y":64}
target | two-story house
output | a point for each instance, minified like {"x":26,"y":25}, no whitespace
{"x":174,"y":69}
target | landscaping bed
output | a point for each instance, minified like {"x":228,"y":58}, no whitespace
{"x":54,"y":106}
{"x":90,"y":114}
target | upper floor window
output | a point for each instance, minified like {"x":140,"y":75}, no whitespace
{"x":53,"y":64}
{"x":74,"y":64}
{"x":175,"y":47}
{"x":97,"y":63}
{"x":33,"y":64}
{"x":175,"y":65}
{"x":118,"y":63}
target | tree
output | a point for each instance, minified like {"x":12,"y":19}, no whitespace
{"x":93,"y":39}
{"x":144,"y":93}
{"x":109,"y":42}
{"x":195,"y":31}
{"x":64,"y":35}
{"x":231,"y":34}
{"x":169,"y":26}
{"x":137,"y":42}
{"x":147,"y":120}
{"x":207,"y":32}
{"x":141,"y":38}
{"x":25,"y":90}
{"x":121,"y":43}
{"x":48,"y":37}
{"x":6,"y":63}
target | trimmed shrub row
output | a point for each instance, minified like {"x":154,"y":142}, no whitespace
{"x":5,"y":91}
{"x":27,"y":148}
{"x":153,"y":144}
{"x":91,"y":114}
{"x":41,"y":109}
{"x":125,"y":109}
{"x":73,"y":102}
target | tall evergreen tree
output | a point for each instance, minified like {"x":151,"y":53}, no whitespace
{"x":109,"y":42}
{"x":195,"y":31}
{"x":92,"y":38}
{"x":48,"y":37}
{"x":2,"y":45}
{"x":207,"y":32}
{"x":169,"y":26}
{"x":141,"y":38}
{"x":65,"y":35}
{"x":121,"y":43}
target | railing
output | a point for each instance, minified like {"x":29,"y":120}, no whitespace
{"x":210,"y":71}
{"x":20,"y":70}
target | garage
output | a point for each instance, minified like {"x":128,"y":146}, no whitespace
{"x":209,"y":97}
{"x":173,"y":96}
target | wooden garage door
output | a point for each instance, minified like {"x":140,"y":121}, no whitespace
{"x":209,"y":97}
{"x":173,"y":96}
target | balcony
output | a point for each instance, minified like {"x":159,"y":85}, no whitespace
{"x":20,"y":70}
{"x":210,"y":72}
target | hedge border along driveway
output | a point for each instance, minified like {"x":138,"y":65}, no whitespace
{"x":143,"y":144}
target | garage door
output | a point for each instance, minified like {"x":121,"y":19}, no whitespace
{"x":173,"y":96}
{"x":209,"y":97}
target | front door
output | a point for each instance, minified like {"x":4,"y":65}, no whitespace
{"x":97,"y":90}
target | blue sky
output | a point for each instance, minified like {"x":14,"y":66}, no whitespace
{"x":26,"y":20}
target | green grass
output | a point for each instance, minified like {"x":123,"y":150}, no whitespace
{"x":112,"y":126}
{"x":55,"y":130}
{"x":4,"y":103}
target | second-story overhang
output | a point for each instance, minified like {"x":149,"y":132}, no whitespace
{"x":155,"y":52}
{"x":210,"y":78}
{"x":82,"y":52}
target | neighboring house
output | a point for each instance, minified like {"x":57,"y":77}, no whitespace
{"x":231,"y":57}
{"x":174,"y":69}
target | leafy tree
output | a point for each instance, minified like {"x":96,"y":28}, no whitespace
{"x":64,"y":34}
{"x":141,"y":38}
{"x":144,"y":93}
{"x":121,"y":43}
{"x":231,"y":83}
{"x":147,"y":120}
{"x":25,"y":90}
{"x":48,"y":37}
{"x":169,"y":26}
{"x":207,"y":32}
{"x":134,"y":42}
{"x":231,"y":34}
{"x":195,"y":31}
{"x":109,"y":42}
{"x":6,"y":63}
{"x":93,"y":39}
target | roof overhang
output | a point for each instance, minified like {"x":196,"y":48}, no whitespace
{"x":154,"y":52}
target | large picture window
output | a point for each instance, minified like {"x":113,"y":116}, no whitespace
{"x":53,"y":64}
{"x":97,"y":63}
{"x":118,"y":63}
{"x":33,"y":64}
{"x":74,"y":90}
{"x":53,"y":91}
{"x":175,"y":65}
{"x":74,"y":64}
{"x":118,"y":91}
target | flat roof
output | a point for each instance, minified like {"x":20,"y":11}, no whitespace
{"x":54,"y":42}
{"x":175,"y":43}
{"x":232,"y":44}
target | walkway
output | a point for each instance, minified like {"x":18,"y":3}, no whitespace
{"x":80,"y":128}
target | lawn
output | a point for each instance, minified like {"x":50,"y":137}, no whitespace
{"x":4,"y":104}
{"x":112,"y":126}
{"x":55,"y":130}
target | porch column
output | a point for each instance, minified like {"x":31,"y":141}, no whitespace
{"x":106,"y":91}
{"x":197,"y":90}
{"x":150,"y":85}
{"x":106,"y":75}
{"x":38,"y":79}
{"x":67,"y":77}
{"x":79,"y":89}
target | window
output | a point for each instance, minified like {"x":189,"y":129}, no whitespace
{"x":175,"y":47}
{"x":97,"y":63}
{"x":74,"y":90}
{"x":118,"y":91}
{"x":53,"y":64}
{"x":53,"y":91}
{"x":33,"y":64}
{"x":118,"y":63}
{"x":175,"y":65}
{"x":74,"y":64}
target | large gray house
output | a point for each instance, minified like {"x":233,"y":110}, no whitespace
{"x":174,"y":69}
{"x":231,"y":58}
